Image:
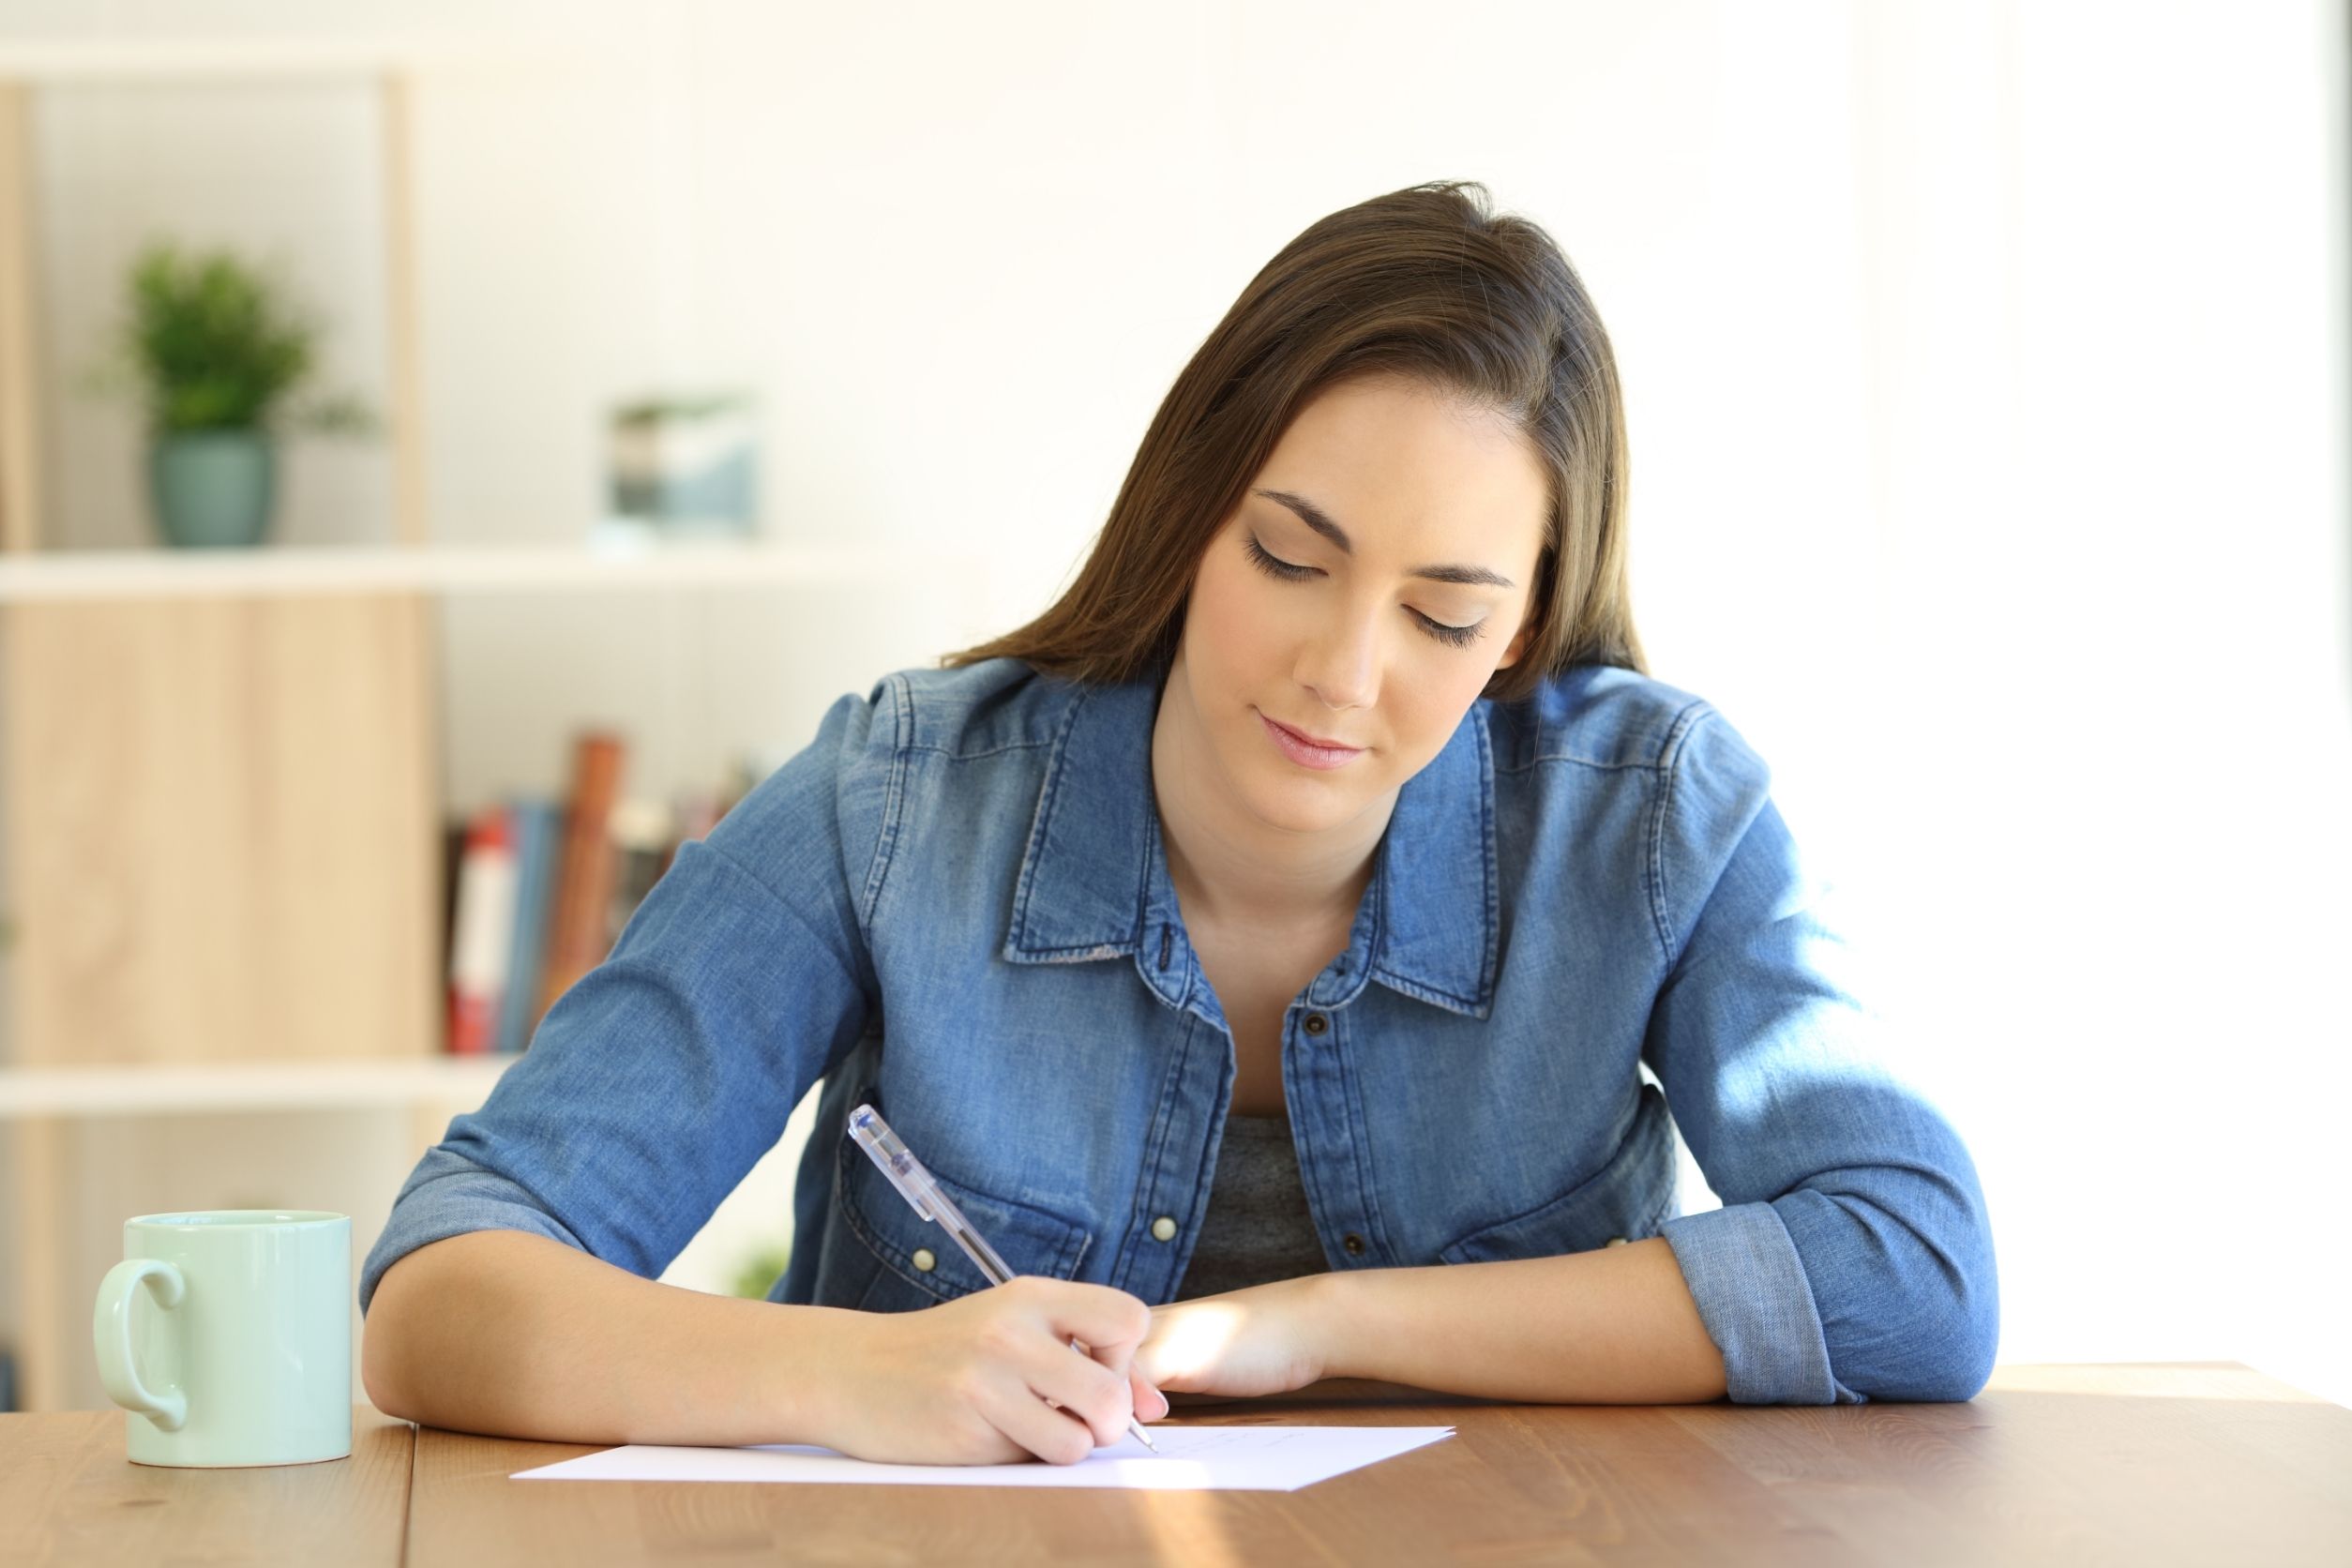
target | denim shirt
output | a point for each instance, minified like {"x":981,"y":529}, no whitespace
{"x":955,"y":904}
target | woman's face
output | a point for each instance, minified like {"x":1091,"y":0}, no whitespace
{"x":1375,"y":575}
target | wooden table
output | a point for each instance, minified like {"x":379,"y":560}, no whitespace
{"x":2206,"y":1463}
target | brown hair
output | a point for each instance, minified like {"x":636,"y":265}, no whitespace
{"x":1423,"y":282}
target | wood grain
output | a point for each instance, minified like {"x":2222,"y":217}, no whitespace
{"x":396,"y":95}
{"x":45,"y":1328}
{"x":221,"y":831}
{"x":19,"y":327}
{"x":2180,"y":1463}
{"x":70,"y":1495}
{"x":2176,"y":1463}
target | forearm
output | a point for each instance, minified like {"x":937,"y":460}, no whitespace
{"x":1615,"y":1326}
{"x":512,"y":1334}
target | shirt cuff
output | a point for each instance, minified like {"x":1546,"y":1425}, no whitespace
{"x":448,"y":1195}
{"x":1745,"y":1275}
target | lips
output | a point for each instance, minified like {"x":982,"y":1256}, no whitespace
{"x":1305,"y":753}
{"x":1315,"y":741}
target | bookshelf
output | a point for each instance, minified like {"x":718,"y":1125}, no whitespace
{"x":388,"y":68}
{"x":58,"y":576}
{"x":223,"y":782}
{"x":245,"y":1086}
{"x":75,"y":1054}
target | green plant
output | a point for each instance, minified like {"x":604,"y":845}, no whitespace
{"x":654,"y":411}
{"x":216,"y":346}
{"x":760,"y":1269}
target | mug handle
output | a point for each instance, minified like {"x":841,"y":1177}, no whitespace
{"x":110,"y":1328}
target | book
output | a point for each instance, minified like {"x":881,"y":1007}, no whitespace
{"x":578,"y":937}
{"x":452,"y":857}
{"x":642,"y":843}
{"x":535,"y":827}
{"x":558,"y":863}
{"x":482,"y":941}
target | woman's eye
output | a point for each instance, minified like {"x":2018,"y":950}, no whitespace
{"x":1290,"y":571}
{"x":1454,"y":637}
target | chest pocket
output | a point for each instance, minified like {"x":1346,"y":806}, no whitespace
{"x":1628,"y":1197}
{"x":1030,"y":1240}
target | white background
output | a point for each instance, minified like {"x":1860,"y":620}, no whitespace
{"x":1985,"y":379}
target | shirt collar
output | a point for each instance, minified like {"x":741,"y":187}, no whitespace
{"x":1093,"y":880}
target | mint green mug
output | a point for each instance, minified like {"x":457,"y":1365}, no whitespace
{"x":241,"y":1352}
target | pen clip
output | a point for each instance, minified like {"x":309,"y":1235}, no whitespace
{"x":920,"y":1188}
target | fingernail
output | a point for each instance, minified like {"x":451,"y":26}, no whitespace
{"x":1163,"y":1399}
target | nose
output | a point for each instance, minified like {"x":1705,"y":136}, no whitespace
{"x":1340,"y":664}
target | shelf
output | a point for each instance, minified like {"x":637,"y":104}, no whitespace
{"x":118,"y":573}
{"x":245,"y":59}
{"x":161,"y":1090}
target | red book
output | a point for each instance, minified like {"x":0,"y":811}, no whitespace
{"x":481,"y":942}
{"x":580,"y":937}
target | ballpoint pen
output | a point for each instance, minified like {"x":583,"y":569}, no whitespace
{"x":916,"y":1186}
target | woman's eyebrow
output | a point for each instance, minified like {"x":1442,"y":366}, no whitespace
{"x":1319,"y":521}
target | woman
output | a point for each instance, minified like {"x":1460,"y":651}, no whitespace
{"x":1263,"y":947}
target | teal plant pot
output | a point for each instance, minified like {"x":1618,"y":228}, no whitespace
{"x":213,"y":488}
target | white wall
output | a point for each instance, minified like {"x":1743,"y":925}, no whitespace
{"x":1986,"y":376}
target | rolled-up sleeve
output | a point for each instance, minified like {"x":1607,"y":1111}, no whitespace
{"x":1852,"y":1258}
{"x":664,"y":1073}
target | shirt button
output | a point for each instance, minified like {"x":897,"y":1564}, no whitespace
{"x":1617,"y":1240}
{"x":1164,"y":1230}
{"x":1317,"y":1023}
{"x":924,"y":1261}
{"x":1353,"y":1242}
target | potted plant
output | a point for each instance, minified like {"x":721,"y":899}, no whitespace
{"x":219,"y":352}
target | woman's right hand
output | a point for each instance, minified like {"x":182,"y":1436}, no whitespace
{"x":966,"y":1383}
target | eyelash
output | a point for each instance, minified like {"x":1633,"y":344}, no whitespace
{"x":1290,"y":571}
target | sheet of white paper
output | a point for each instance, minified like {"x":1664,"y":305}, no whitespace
{"x":1191,"y":1458}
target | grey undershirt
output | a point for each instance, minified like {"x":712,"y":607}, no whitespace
{"x":1258,"y":1226}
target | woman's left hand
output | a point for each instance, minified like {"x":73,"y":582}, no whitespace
{"x":1267,"y":1339}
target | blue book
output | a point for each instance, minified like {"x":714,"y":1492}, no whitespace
{"x":533,"y":827}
